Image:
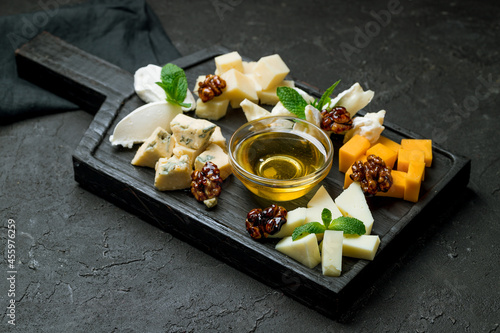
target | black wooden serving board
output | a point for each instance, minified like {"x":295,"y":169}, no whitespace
{"x":107,"y":91}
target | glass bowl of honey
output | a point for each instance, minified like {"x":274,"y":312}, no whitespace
{"x":280,"y":158}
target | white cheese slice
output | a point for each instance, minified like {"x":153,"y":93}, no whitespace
{"x":305,"y":250}
{"x":138,"y":125}
{"x":370,"y":126}
{"x":294,"y":218}
{"x":352,"y":202}
{"x":362,"y":247}
{"x":331,"y":255}
{"x":353,"y":99}
{"x":253,"y":111}
{"x":145,"y":86}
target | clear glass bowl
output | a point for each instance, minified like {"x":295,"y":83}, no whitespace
{"x":280,"y":158}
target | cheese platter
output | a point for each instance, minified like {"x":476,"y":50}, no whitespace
{"x":108,"y":91}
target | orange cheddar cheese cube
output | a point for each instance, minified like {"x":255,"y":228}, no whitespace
{"x":351,"y":151}
{"x":347,"y":178}
{"x":413,"y":181}
{"x":397,"y":189}
{"x":424,"y":145}
{"x":388,"y":155}
{"x":405,"y":156}
{"x":389,"y":143}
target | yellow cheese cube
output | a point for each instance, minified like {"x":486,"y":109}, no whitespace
{"x":228,"y":61}
{"x":413,"y":181}
{"x":388,"y":155}
{"x":419,"y":144}
{"x":218,"y":139}
{"x":347,"y":177}
{"x":238,"y":87}
{"x":216,"y":155}
{"x":270,"y":70}
{"x":173,"y":173}
{"x":269,"y":96}
{"x":159,"y":144}
{"x":361,"y":247}
{"x":248,"y":67}
{"x":351,"y":151}
{"x":213,"y":109}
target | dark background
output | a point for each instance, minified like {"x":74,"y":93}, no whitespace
{"x":434,"y":66}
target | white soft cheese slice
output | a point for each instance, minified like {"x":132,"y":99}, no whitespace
{"x":145,"y":86}
{"x":137,"y":126}
{"x":253,"y":111}
{"x":353,"y":99}
{"x":352,"y":202}
{"x":305,"y":250}
{"x":361,"y":247}
{"x":294,"y":218}
{"x":370,"y":126}
{"x":331,"y":255}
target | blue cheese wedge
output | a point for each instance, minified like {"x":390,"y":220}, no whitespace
{"x":219,"y":139}
{"x":190,"y":132}
{"x":217,"y":156}
{"x":173,"y":173}
{"x":159,"y":145}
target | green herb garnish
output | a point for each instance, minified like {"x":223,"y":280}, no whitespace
{"x":292,"y":101}
{"x":296,"y":104}
{"x":349,"y":225}
{"x":325,"y":98}
{"x":174,"y":82}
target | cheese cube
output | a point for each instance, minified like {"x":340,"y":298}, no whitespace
{"x":305,"y":250}
{"x":352,"y":202}
{"x":270,"y":70}
{"x":173,"y":173}
{"x":216,"y":155}
{"x":238,"y":87}
{"x":181,"y":150}
{"x":351,"y":151}
{"x":200,"y":78}
{"x":405,"y":156}
{"x":190,"y":132}
{"x":228,"y":61}
{"x":213,"y":109}
{"x":159,"y":144}
{"x":413,"y":181}
{"x":331,"y":256}
{"x":389,"y":143}
{"x":361,"y":247}
{"x":269,"y":96}
{"x":385,"y":153}
{"x":218,"y":139}
{"x":294,"y":218}
{"x":253,"y":111}
{"x":248,"y":66}
{"x":398,"y":186}
{"x":419,"y":144}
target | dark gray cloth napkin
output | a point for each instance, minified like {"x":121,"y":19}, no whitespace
{"x":124,"y":32}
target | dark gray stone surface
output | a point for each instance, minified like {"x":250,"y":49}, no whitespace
{"x":84,"y":264}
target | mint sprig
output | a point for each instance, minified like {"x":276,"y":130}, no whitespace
{"x":174,"y":82}
{"x":292,"y":101}
{"x":325,"y":98}
{"x":349,"y":225}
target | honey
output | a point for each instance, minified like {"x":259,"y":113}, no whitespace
{"x":281,"y":155}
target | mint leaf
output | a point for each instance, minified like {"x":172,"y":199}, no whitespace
{"x":292,"y":101}
{"x":308,"y":228}
{"x":349,"y":225}
{"x":325,"y":98}
{"x":326,"y":217}
{"x":174,"y":82}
